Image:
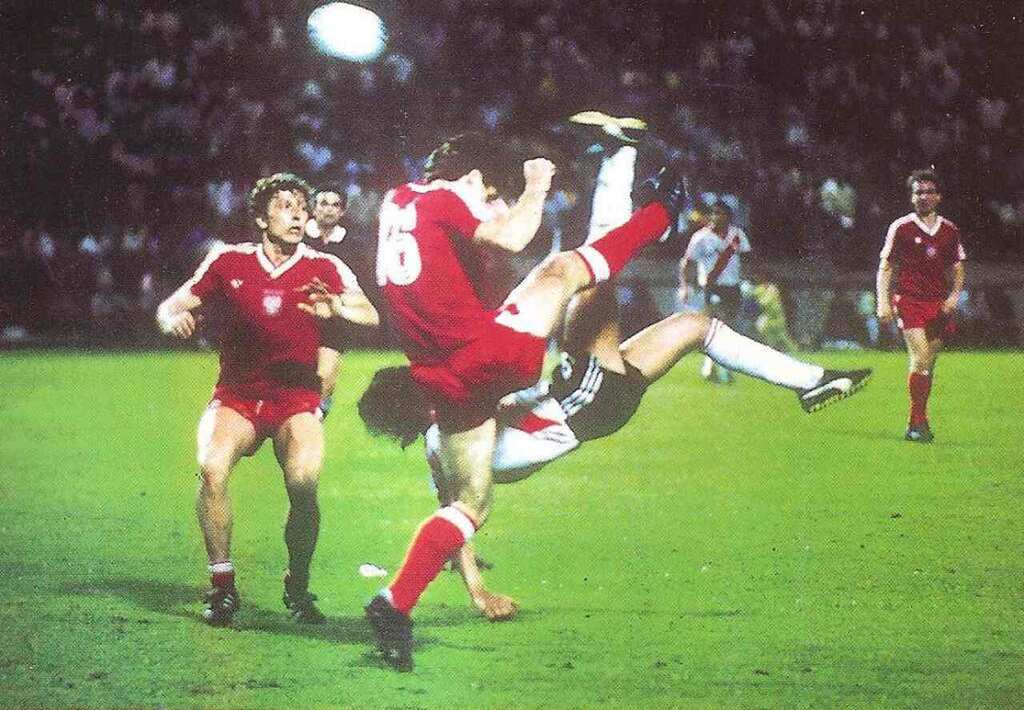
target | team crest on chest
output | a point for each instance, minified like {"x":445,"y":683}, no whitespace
{"x":272,"y":303}
{"x":236,"y":284}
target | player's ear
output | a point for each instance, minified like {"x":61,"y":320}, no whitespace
{"x":261,"y":223}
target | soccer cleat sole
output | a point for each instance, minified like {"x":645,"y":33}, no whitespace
{"x":854,"y":388}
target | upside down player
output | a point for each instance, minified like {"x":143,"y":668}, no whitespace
{"x":271,"y":295}
{"x":462,"y":356}
{"x":923,"y":253}
{"x":596,"y":389}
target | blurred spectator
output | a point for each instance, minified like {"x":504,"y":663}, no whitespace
{"x":153,"y":115}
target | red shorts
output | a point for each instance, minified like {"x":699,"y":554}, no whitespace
{"x":465,"y":387}
{"x":266,"y":406}
{"x":919,"y":313}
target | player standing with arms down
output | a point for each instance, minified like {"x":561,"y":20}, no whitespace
{"x":716,"y":249}
{"x":270,"y":294}
{"x":464,"y":357}
{"x":924,"y":256}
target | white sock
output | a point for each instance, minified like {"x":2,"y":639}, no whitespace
{"x":613,"y":202}
{"x":741,"y":354}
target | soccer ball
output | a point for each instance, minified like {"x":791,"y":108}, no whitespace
{"x":347,"y":31}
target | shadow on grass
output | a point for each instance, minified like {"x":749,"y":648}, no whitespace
{"x":185,"y":602}
{"x":896,"y":437}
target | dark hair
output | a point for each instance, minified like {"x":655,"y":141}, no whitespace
{"x":266,"y":187}
{"x":723,"y":208}
{"x":338,"y":189}
{"x":499,"y":165}
{"x":394,"y":406}
{"x":923,"y":175}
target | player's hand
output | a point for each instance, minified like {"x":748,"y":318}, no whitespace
{"x":180,"y":325}
{"x":496,"y":607}
{"x":884,"y":312}
{"x":537,"y":173}
{"x":323,"y":303}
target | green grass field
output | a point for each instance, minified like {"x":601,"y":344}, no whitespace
{"x":724,"y":550}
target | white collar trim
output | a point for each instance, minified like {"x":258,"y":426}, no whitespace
{"x":275,"y":271}
{"x":920,"y":223}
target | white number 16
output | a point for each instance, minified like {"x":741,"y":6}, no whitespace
{"x":398,"y":254}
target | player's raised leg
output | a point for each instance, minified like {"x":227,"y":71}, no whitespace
{"x":223,"y":437}
{"x":657,"y":348}
{"x":540,"y":301}
{"x":299,"y":447}
{"x":923,"y":352}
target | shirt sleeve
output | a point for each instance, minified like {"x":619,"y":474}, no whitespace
{"x":339,"y":278}
{"x":958,"y":246}
{"x":744,"y":242}
{"x":207,"y":279}
{"x":889,"y":252}
{"x":692,"y":249}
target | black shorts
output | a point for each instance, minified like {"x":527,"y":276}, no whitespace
{"x":596,"y":401}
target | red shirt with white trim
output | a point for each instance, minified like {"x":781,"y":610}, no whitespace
{"x":265,"y":337}
{"x":922,"y":257}
{"x":426,"y":267}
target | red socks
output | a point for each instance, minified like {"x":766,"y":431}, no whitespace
{"x":437,"y":540}
{"x":920,"y":386}
{"x":608,"y":255}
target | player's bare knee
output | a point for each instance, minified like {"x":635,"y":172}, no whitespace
{"x":564,"y":267}
{"x":213,"y":473}
{"x":302,"y":478}
{"x":701,"y":322}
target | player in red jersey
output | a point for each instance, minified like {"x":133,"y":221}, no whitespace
{"x":270,"y":295}
{"x":463,"y":357}
{"x":924,"y":255}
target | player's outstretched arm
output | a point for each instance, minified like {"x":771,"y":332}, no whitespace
{"x":514,"y":229}
{"x":350,"y":305}
{"x":496,"y":607}
{"x":174,"y":315}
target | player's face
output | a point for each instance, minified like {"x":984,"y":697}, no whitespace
{"x":327,"y":210}
{"x":720,"y":220}
{"x":925,"y":196}
{"x":286,"y":216}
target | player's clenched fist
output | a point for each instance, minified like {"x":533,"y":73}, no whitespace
{"x":538,"y":173}
{"x":180,"y":325}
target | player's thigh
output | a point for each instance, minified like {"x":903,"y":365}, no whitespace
{"x":223,"y":437}
{"x":299,"y":448}
{"x":466,"y":458}
{"x":656,"y":348}
{"x":541,"y":298}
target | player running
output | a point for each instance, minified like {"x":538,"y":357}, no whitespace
{"x":464,"y":357}
{"x":923,"y":253}
{"x":270,"y":295}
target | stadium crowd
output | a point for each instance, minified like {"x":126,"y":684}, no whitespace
{"x":137,"y":129}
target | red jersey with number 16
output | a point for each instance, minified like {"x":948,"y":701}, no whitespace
{"x":922,"y":257}
{"x":425,"y":267}
{"x":266,"y":339}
